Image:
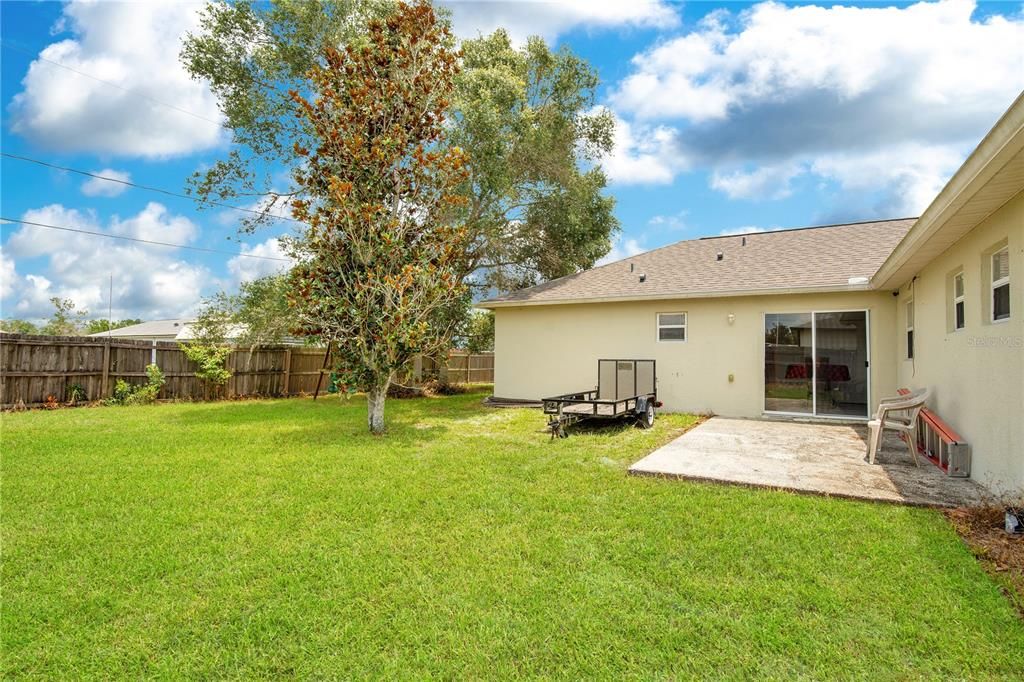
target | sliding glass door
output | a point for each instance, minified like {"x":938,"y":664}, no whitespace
{"x":816,"y":363}
{"x":788,"y":363}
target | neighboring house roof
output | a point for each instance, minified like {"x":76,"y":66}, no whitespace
{"x":177,"y":330}
{"x":155,"y":328}
{"x":825,"y":258}
{"x":233,"y":331}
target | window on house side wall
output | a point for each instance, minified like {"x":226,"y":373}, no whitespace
{"x":959,"y":313}
{"x":1001,"y":285}
{"x":910,"y":330}
{"x":671,"y":326}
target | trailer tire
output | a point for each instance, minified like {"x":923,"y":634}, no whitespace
{"x":647,"y":416}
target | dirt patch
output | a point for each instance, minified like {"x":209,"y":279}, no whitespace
{"x":1001,"y":553}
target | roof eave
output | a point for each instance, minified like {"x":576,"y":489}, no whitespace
{"x":725,"y":293}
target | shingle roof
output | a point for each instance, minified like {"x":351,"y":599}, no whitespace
{"x":151,"y":328}
{"x":830,"y":256}
{"x":179,"y":330}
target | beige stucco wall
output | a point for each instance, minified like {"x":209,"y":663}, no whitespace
{"x":547,"y":350}
{"x":977,"y":373}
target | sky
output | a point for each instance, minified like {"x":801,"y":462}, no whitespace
{"x":731,"y":117}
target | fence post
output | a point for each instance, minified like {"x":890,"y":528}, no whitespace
{"x":287,"y":371}
{"x":320,"y":379}
{"x":105,"y":381}
{"x":442,"y":369}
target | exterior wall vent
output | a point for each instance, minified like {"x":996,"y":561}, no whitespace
{"x":719,"y":256}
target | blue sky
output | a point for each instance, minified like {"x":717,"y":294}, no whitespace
{"x":732,"y":117}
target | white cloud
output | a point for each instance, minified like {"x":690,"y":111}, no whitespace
{"x":622,"y":248}
{"x":551,"y":18}
{"x":879,"y":100}
{"x":148,"y":281}
{"x":244,"y":269}
{"x":744,"y":229}
{"x":135,"y":46}
{"x":914,"y":174}
{"x":95,"y":187}
{"x":766,"y":182}
{"x":156,"y":224}
{"x":8,"y":275}
{"x":926,"y":54}
{"x":675,"y":221}
{"x":642,"y":154}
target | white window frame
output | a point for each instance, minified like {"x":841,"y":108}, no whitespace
{"x":659,"y":326}
{"x":910,"y":312}
{"x":959,"y":299}
{"x":814,"y":358}
{"x":998,"y":284}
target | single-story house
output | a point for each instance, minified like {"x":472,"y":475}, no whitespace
{"x":163,"y":330}
{"x":154,"y":330}
{"x":817,"y":322}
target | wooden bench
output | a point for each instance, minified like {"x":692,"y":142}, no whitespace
{"x":938,"y":442}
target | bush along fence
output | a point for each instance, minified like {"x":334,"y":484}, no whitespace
{"x":84,"y":368}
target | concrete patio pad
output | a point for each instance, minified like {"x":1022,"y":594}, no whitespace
{"x":827,"y":459}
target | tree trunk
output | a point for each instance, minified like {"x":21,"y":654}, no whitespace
{"x":375,"y":407}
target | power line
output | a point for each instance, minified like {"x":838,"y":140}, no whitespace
{"x":142,"y":241}
{"x":159,"y":190}
{"x":40,"y":57}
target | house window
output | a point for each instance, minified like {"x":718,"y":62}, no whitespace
{"x":671,"y":326}
{"x":959,"y":320}
{"x":910,"y":330}
{"x":1001,"y":285}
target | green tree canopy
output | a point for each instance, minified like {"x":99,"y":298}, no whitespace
{"x":67,"y":320}
{"x":258,"y":314}
{"x":102,"y":325}
{"x":16,"y":326}
{"x":479,"y":333}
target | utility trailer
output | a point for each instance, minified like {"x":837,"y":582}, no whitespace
{"x":625,"y":388}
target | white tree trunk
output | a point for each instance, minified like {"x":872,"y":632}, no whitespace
{"x":375,"y":398}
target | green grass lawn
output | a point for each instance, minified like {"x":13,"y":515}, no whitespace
{"x":277,"y":539}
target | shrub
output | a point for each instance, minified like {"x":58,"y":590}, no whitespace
{"x":126,"y":394}
{"x":75,"y":393}
{"x":122,"y":391}
{"x":210,"y":363}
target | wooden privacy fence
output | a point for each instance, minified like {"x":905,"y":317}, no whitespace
{"x":35,"y":367}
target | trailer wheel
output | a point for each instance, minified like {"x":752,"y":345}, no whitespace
{"x":647,"y":418}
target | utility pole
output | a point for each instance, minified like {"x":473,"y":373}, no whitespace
{"x":110,"y":304}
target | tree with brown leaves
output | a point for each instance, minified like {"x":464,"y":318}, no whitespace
{"x":381,"y":264}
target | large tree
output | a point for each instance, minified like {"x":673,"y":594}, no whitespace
{"x":379,"y":270}
{"x":524,"y":116}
